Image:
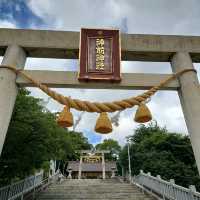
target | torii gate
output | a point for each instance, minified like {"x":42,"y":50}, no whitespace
{"x":102,"y":152}
{"x":181,"y":51}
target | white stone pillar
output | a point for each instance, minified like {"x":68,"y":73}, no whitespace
{"x":80,"y":167}
{"x":189,"y":94}
{"x":103,"y":167}
{"x":16,"y":57}
{"x":70,"y":174}
{"x":113,"y":172}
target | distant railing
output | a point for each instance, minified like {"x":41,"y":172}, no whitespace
{"x":20,"y":188}
{"x":164,"y":189}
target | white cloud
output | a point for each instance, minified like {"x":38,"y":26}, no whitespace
{"x":6,"y":24}
{"x":40,"y":8}
{"x":167,"y":111}
{"x":52,"y":64}
{"x":71,"y":15}
{"x":158,"y":16}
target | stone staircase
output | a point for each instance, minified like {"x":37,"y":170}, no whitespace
{"x":96,"y":189}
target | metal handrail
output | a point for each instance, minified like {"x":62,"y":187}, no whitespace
{"x":20,"y":188}
{"x":164,"y":189}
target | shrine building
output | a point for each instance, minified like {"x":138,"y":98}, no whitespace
{"x":92,"y":166}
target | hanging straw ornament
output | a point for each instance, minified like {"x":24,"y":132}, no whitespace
{"x":65,"y":119}
{"x":103,"y":124}
{"x":143,"y":114}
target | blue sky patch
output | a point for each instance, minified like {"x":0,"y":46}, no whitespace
{"x":93,"y":138}
{"x":17,"y":11}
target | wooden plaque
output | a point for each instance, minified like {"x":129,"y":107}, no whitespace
{"x":100,"y":55}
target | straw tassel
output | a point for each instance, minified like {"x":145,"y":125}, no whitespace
{"x":65,"y":119}
{"x":103,"y":124}
{"x":143,"y":114}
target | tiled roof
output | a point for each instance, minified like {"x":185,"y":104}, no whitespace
{"x":91,"y":167}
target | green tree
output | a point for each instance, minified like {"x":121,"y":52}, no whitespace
{"x":33,"y":139}
{"x":158,"y":151}
{"x":111,"y":145}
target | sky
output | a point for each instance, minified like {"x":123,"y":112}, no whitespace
{"x":168,"y":17}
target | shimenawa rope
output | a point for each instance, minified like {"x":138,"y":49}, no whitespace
{"x":96,"y":106}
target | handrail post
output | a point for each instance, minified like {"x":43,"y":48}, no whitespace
{"x":158,"y":178}
{"x":149,"y":174}
{"x":172,"y":183}
{"x":192,"y":191}
{"x":141,"y":182}
{"x":34,"y":186}
{"x":7,"y":195}
{"x":161,"y":189}
{"x":22,"y":193}
{"x":10,"y":191}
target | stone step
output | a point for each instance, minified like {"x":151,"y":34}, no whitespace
{"x":91,"y":183}
{"x":92,"y":190}
{"x":94,"y":186}
{"x":118,"y":189}
{"x":94,"y":196}
{"x":86,"y":185}
{"x":72,"y":187}
{"x":105,"y":190}
{"x":145,"y":198}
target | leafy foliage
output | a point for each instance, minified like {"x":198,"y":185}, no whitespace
{"x":33,"y":139}
{"x":158,"y":151}
{"x":111,"y":145}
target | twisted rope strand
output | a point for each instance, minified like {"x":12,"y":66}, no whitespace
{"x":96,"y":106}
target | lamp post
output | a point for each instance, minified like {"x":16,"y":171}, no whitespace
{"x":129,"y":161}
